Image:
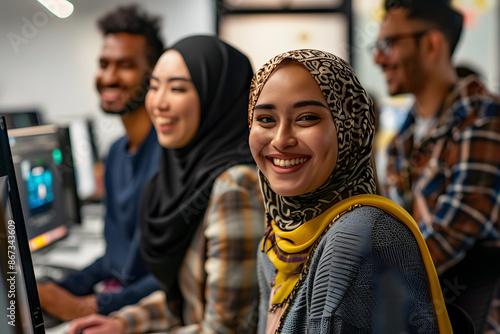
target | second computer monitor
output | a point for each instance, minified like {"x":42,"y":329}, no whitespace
{"x":39,"y":164}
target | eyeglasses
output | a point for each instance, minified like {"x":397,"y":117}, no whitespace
{"x":386,"y":44}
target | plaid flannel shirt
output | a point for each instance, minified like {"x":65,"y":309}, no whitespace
{"x":450,"y":183}
{"x":218,"y":276}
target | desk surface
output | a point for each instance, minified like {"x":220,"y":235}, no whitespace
{"x":83,"y":245}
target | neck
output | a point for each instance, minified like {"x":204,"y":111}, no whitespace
{"x":433,"y":92}
{"x":137,"y":127}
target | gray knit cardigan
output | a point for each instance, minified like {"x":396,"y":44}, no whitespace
{"x":366,"y":276}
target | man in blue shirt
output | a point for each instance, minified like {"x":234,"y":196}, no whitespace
{"x":131,"y":48}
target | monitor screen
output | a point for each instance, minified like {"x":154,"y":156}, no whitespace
{"x":84,"y":157}
{"x":22,"y":118}
{"x":72,"y":203}
{"x":19,"y":300}
{"x":39,"y":165}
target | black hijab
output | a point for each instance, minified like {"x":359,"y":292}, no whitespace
{"x":174,"y":201}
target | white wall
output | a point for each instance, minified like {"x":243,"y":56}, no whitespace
{"x":52,"y":65}
{"x":49,"y":63}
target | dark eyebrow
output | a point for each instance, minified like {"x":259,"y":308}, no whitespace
{"x":119,"y":60}
{"x":309,"y":103}
{"x":152,"y":77}
{"x":126,"y":59}
{"x":178,"y":78}
{"x":265,"y":107}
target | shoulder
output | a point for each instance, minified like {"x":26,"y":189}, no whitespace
{"x":236,"y":178}
{"x":236,"y":200}
{"x":118,"y":145}
{"x":364,"y":235}
{"x":151,"y":141}
{"x":474,"y":100}
{"x":359,"y":228}
{"x":149,"y":149}
{"x":365,"y":217}
{"x":235,"y":210}
{"x":483,"y":124}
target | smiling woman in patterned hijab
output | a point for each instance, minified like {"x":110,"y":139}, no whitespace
{"x":335,"y":257}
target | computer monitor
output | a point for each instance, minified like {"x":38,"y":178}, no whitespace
{"x":72,"y":203}
{"x":19,"y":300}
{"x":84,"y":157}
{"x":39,"y":165}
{"x":21,"y":118}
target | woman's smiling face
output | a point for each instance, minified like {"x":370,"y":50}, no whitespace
{"x":172,"y":101}
{"x":293,"y":138}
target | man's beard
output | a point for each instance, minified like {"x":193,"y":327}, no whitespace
{"x":135,"y":102}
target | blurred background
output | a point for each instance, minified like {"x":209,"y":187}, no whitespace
{"x":48,"y":63}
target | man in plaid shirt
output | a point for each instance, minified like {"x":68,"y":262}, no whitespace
{"x":444,"y":164}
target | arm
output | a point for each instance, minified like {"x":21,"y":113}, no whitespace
{"x":148,"y":315}
{"x":130,"y":294}
{"x":72,"y":297}
{"x":233,"y":228}
{"x":367,"y":273}
{"x":402,"y":295}
{"x":234,"y":225}
{"x":467,"y":212}
{"x":63,"y":305}
{"x":82,"y":282}
{"x":96,"y":324}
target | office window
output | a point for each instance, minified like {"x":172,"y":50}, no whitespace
{"x":262,"y":36}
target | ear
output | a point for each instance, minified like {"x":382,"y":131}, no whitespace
{"x":435,"y":45}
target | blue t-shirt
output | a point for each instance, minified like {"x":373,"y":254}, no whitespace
{"x":125,"y":175}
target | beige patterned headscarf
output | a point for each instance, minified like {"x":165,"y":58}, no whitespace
{"x":353,"y":116}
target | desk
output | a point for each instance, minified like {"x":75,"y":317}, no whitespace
{"x":83,"y":245}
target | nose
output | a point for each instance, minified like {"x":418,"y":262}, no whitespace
{"x":284,"y":137}
{"x":160,"y":100}
{"x":109,"y":75}
{"x":378,"y":56}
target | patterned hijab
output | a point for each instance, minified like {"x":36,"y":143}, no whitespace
{"x":353,"y":116}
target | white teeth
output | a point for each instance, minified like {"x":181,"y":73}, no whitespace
{"x":164,"y":120}
{"x":288,"y":162}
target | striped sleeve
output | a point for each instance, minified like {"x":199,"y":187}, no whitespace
{"x":235,"y":225}
{"x":148,"y":315}
{"x":469,"y":209}
{"x":218,"y":278}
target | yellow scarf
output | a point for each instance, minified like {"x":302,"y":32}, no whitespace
{"x":297,"y":245}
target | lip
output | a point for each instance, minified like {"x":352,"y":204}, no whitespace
{"x":388,"y":71}
{"x":110,"y":96}
{"x":165,"y":127}
{"x":290,"y":169}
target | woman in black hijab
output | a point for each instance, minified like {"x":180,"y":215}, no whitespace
{"x":201,"y":215}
